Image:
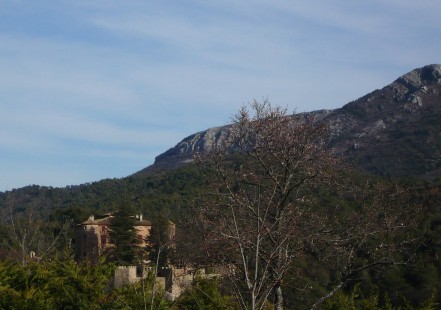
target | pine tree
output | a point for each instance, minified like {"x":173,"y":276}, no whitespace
{"x":123,"y":236}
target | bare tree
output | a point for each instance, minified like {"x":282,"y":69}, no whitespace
{"x":264,"y":209}
{"x":160,"y":247}
{"x":26,"y":232}
{"x":259,"y":218}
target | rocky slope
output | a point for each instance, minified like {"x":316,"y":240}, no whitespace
{"x":395,"y":130}
{"x":392,"y":131}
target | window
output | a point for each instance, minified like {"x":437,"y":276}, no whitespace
{"x":138,"y":271}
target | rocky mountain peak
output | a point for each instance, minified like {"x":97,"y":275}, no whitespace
{"x":417,"y":78}
{"x":184,"y":151}
{"x":395,"y":130}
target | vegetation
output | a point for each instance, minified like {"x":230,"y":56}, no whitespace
{"x":206,"y":294}
{"x":64,"y":284}
{"x":365,"y":215}
{"x":123,"y":236}
{"x":267,"y":211}
{"x":259,"y":214}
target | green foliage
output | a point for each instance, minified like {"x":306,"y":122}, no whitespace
{"x":357,"y":299}
{"x":63,"y":284}
{"x":139,"y":296}
{"x":122,"y":233}
{"x":306,"y":282}
{"x":77,"y":286}
{"x":169,"y":194}
{"x":353,"y":301}
{"x":205,"y":294}
{"x":53,"y":285}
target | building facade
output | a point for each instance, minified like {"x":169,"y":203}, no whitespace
{"x":92,"y":236}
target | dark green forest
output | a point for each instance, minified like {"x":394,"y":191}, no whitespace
{"x":171,"y":194}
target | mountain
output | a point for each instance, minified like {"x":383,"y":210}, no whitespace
{"x":393,"y":131}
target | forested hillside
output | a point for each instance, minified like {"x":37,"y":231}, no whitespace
{"x":166,"y":192}
{"x":386,"y":147}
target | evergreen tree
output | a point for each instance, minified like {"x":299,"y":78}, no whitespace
{"x":123,"y":236}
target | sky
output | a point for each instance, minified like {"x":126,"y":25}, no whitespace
{"x":94,"y":89}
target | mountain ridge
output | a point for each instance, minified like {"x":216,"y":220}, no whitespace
{"x":392,"y":131}
{"x":376,"y":131}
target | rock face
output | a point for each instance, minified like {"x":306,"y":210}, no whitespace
{"x":184,"y":151}
{"x":392,"y":131}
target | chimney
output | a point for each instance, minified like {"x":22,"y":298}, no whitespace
{"x":140,"y":217}
{"x":91,"y":218}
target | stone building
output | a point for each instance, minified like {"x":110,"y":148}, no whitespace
{"x":92,"y":236}
{"x":92,"y":241}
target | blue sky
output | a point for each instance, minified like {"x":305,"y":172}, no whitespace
{"x":96,"y":89}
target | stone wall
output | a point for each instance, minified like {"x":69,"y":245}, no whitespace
{"x":125,"y":275}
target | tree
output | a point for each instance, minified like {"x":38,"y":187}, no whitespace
{"x":123,"y":236}
{"x":159,"y":248}
{"x":57,"y":284}
{"x":160,"y":242}
{"x":28,"y":235}
{"x":259,"y":218}
{"x":370,"y":227}
{"x":204,"y":293}
{"x":266,"y":208}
